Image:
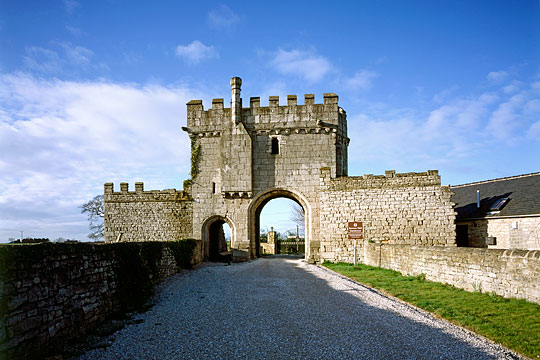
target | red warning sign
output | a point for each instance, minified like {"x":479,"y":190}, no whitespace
{"x":356,"y":230}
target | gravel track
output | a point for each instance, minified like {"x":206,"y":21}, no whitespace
{"x":283,"y":308}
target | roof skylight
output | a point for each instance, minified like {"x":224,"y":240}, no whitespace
{"x":498,"y":204}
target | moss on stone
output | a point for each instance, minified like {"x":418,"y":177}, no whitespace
{"x":195,"y":149}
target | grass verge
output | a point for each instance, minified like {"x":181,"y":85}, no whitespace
{"x":511,"y":322}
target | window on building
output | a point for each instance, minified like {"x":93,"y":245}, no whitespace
{"x":213,"y":188}
{"x":498,"y":205}
{"x":275,"y":146}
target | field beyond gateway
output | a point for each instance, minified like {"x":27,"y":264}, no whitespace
{"x":514,"y":323}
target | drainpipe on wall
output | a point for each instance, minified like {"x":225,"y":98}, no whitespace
{"x":478,"y":199}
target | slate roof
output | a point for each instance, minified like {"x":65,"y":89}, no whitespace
{"x":523,"y":192}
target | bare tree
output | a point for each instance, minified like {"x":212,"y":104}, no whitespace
{"x":95,"y":210}
{"x":297,"y":215}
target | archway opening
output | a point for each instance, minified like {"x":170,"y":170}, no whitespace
{"x":219,"y":235}
{"x":280,"y":227}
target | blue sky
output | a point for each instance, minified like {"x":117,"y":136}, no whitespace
{"x":95,"y":91}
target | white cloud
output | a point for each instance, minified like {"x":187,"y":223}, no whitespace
{"x":458,"y":116}
{"x":534,"y":131}
{"x":196,"y":52}
{"x":532,"y":107}
{"x":75,"y":31}
{"x":64,"y":58}
{"x":70,"y":6}
{"x":78,"y":55}
{"x":362,"y":80}
{"x":42,"y":60}
{"x":61,"y":140}
{"x":504,"y":119}
{"x":444,"y":95}
{"x":497,"y":76}
{"x":310,"y":66}
{"x":222,"y":18}
{"x":512,"y":88}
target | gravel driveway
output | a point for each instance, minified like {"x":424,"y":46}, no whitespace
{"x":283,"y":308}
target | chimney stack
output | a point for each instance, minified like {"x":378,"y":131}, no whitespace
{"x":236,"y":100}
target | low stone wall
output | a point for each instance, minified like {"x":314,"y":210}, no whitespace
{"x":509,"y":273}
{"x":52,"y":293}
{"x":411,"y":208}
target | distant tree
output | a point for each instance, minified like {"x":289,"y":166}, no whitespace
{"x":297,"y":216}
{"x":263,"y":236}
{"x":95,"y":210}
{"x":35,"y":240}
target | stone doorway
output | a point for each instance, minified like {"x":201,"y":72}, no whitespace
{"x":214,"y":237}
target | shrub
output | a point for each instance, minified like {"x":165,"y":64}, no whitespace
{"x":182,"y":251}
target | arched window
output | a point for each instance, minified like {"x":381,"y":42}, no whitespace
{"x":275,"y":146}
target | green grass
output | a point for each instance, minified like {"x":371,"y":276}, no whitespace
{"x":511,"y":322}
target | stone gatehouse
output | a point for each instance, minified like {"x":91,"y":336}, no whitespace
{"x":243,"y":157}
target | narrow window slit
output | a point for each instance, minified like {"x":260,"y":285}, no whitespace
{"x":275,"y":146}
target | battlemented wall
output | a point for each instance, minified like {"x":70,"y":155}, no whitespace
{"x":408,"y":209}
{"x":509,"y":273}
{"x":140,"y":215}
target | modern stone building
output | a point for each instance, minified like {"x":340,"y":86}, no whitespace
{"x":500,"y":213}
{"x":243,"y":157}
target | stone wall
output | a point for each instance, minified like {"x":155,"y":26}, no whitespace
{"x":510,"y":233}
{"x":268,"y":248}
{"x":51,"y":293}
{"x":411,"y":208}
{"x":139,"y":215}
{"x":509,"y":273}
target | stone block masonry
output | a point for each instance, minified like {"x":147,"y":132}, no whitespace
{"x":140,"y":215}
{"x":53,"y":293}
{"x":509,"y":273}
{"x":510,"y":233}
{"x":411,"y":208}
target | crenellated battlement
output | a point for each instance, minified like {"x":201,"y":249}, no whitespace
{"x":390,"y":179}
{"x":139,"y":195}
{"x":325,"y":117}
{"x":255,"y":102}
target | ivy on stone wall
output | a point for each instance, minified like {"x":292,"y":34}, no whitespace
{"x":195,"y":149}
{"x":194,"y":171}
